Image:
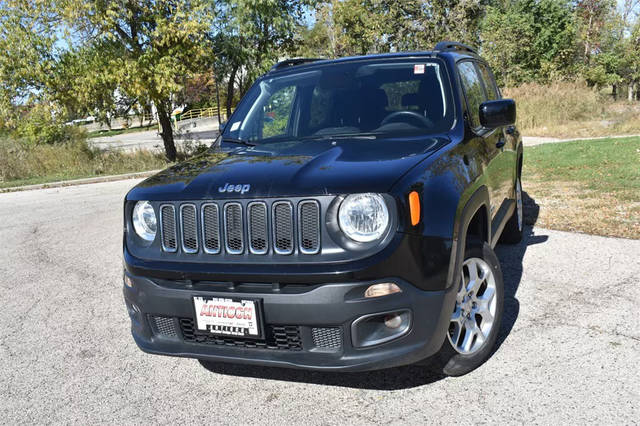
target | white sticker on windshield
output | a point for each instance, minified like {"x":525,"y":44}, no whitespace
{"x":235,"y":126}
{"x":418,"y":69}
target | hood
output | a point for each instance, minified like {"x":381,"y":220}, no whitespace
{"x":290,"y":169}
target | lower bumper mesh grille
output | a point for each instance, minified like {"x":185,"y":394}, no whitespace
{"x":278,"y":337}
{"x":164,"y":326}
{"x":327,"y":337}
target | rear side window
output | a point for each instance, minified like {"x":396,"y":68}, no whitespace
{"x":472,"y":90}
{"x":489,"y":82}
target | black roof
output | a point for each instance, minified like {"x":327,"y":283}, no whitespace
{"x":448,"y":47}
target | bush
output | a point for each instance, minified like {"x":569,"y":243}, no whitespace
{"x":39,"y":126}
{"x":554,"y":104}
{"x":571,"y":109}
{"x":24,"y":162}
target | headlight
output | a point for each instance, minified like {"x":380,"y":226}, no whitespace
{"x":363,"y":217}
{"x":144,"y":220}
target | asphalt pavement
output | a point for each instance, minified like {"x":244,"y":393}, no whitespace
{"x":569,"y":349}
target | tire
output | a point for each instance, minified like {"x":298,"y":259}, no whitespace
{"x":454,"y":361}
{"x":512,"y":232}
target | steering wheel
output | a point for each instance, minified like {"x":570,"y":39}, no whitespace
{"x":404,"y":115}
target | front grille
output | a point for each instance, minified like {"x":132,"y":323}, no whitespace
{"x":164,"y":326}
{"x":235,"y":228}
{"x":258,"y":228}
{"x":309,"y":226}
{"x":211,"y":228}
{"x":234,"y":234}
{"x":189,"y":219}
{"x":327,"y":337}
{"x":168,"y":221}
{"x":277,"y":337}
{"x":283,"y":227}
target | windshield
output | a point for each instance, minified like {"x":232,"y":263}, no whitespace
{"x":383,"y":98}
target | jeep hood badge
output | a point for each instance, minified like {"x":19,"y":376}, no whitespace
{"x":230,"y":187}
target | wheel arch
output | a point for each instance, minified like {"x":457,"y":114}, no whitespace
{"x":473,"y":215}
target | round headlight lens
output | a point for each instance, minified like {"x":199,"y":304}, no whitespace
{"x":144,"y":220}
{"x":363,"y":217}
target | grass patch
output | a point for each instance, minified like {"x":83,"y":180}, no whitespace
{"x":586,"y":186}
{"x":572,"y":110}
{"x":24,"y":164}
{"x":114,"y":132}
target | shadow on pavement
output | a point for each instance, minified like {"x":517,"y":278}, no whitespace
{"x":414,"y":375}
{"x":511,"y":263}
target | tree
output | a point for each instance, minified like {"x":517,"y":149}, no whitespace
{"x":27,"y":42}
{"x":250,"y":35}
{"x":148,"y":47}
{"x":530,"y":40}
{"x":114,"y":53}
{"x":592,"y":20}
{"x":377,"y":26}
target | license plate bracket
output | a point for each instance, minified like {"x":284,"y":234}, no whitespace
{"x":229,"y":317}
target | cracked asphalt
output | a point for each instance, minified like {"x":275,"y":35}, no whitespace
{"x":569,"y":349}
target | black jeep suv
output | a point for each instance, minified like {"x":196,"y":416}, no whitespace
{"x":344,"y":219}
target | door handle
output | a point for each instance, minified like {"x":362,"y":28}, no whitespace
{"x":501,"y":142}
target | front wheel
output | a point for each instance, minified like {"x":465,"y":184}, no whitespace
{"x":477,"y":314}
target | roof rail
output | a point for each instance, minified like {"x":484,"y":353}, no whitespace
{"x":292,"y":63}
{"x":454,"y":45}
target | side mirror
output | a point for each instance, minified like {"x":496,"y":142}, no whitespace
{"x":497,"y":113}
{"x":221,"y":126}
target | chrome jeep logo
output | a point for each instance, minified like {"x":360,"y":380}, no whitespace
{"x":229,"y":187}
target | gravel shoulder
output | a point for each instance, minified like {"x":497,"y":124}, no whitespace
{"x":569,"y":344}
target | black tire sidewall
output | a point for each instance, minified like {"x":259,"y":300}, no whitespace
{"x":511,"y":234}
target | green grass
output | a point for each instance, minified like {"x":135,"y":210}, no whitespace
{"x":602,"y":165}
{"x":101,"y":133}
{"x":590,"y":186}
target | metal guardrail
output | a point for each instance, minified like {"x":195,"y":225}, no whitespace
{"x":202,"y":113}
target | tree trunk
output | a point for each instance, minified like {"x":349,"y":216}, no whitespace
{"x":630,"y":92}
{"x":167,"y":131}
{"x":230,"y":89}
{"x":614,"y":92}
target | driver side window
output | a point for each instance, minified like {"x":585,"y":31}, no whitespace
{"x":473,"y":91}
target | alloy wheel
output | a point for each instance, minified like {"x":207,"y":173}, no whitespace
{"x":476,"y":303}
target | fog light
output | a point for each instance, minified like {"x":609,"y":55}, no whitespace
{"x":393,"y":321}
{"x":381,"y":289}
{"x":375,"y":329}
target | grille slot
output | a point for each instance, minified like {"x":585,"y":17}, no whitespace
{"x":210,"y":228}
{"x":277,"y":337}
{"x":309,"y":226}
{"x":168,"y":220}
{"x":164,"y":326}
{"x":258,"y":229}
{"x":283,"y":227}
{"x":327,"y":337}
{"x":189,"y":228}
{"x":234,"y":234}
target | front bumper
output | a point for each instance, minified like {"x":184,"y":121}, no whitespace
{"x":308,"y":311}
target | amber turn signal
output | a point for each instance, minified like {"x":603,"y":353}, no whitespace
{"x":414,"y":207}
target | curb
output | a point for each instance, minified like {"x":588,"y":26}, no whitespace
{"x":84,"y":181}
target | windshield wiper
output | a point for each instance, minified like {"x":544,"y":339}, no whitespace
{"x":238,"y":141}
{"x":342,"y":136}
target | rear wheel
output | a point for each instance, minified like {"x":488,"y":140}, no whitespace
{"x":512,"y":232}
{"x":477,"y":314}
